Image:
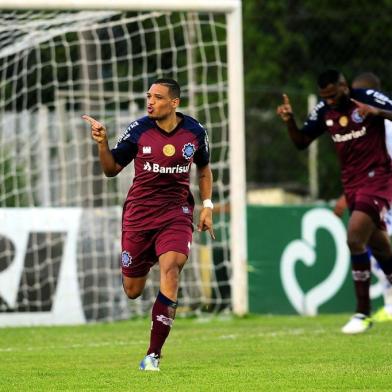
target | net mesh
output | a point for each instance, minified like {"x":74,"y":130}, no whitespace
{"x":54,"y":67}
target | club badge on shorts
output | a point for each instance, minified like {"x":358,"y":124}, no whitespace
{"x":126,"y":259}
{"x":169,"y":150}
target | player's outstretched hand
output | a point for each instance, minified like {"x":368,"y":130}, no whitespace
{"x":285,"y":111}
{"x":364,"y":110}
{"x":98,"y":130}
{"x":205,"y":222}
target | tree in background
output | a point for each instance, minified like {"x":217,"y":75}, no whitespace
{"x":286,"y":44}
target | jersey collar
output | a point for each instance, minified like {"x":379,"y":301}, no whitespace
{"x":174,"y":131}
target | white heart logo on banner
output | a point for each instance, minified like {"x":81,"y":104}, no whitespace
{"x":303,"y":250}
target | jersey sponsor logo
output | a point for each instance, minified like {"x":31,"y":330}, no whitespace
{"x":379,"y":97}
{"x":206,"y":142}
{"x":146,"y":149}
{"x":356,"y":117}
{"x":188,"y":151}
{"x":338,"y":138}
{"x":156,"y":168}
{"x":126,"y":259}
{"x":314,"y":113}
{"x":127,"y":133}
{"x":169,"y":150}
{"x":329,"y":122}
{"x":165,"y":320}
{"x":132,"y":125}
{"x":343,"y":121}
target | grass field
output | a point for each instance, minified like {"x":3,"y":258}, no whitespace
{"x":256,"y":353}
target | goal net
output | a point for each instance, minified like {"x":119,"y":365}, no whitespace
{"x":56,"y":66}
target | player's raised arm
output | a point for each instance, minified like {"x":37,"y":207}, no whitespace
{"x":365,"y":110}
{"x":205,"y":187}
{"x":98,"y":133}
{"x":285,"y":112}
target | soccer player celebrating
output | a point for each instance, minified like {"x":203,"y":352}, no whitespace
{"x":158,"y":211}
{"x":368,"y":80}
{"x":355,"y":121}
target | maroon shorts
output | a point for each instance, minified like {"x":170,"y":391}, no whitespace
{"x":142,"y":248}
{"x":375,"y":205}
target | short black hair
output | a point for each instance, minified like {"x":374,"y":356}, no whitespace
{"x":174,"y":87}
{"x":330,"y":76}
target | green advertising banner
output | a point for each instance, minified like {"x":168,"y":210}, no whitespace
{"x":299,"y":262}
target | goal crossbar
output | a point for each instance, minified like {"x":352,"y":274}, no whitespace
{"x":131,"y":5}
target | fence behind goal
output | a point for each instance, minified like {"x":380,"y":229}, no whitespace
{"x":56,"y":66}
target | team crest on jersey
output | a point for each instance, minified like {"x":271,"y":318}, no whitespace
{"x":188,"y":151}
{"x":356,"y":117}
{"x":126,"y":259}
{"x":169,"y":150}
{"x":343,"y":121}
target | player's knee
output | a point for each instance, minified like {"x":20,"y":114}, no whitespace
{"x":356,"y":244}
{"x":172,"y":274}
{"x":132,"y":292}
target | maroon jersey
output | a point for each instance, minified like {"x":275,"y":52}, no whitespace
{"x":160,"y":191}
{"x":359,"y":142}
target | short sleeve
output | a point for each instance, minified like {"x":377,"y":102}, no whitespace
{"x":126,"y":148}
{"x":373,"y":98}
{"x":314,"y":125}
{"x":202,"y":155}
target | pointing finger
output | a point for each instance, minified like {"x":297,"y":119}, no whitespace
{"x":355,"y":101}
{"x":91,"y":121}
{"x":286,"y":100}
{"x":88,"y":119}
{"x":212,"y":234}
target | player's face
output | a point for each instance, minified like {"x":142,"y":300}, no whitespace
{"x":160,"y":104}
{"x":335,"y":95}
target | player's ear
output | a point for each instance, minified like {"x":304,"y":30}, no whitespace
{"x":343,"y":83}
{"x":175,"y":103}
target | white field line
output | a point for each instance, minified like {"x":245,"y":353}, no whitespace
{"x":113,"y":343}
{"x":120,"y":343}
{"x":273,"y":334}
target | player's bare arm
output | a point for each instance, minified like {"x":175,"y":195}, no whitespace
{"x":205,"y":188}
{"x":99,"y":135}
{"x":365,"y":110}
{"x":285,"y":112}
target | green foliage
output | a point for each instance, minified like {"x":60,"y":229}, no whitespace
{"x":286,"y":45}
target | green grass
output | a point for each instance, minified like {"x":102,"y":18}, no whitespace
{"x":256,"y":353}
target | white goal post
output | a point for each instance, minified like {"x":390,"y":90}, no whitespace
{"x":227,"y":87}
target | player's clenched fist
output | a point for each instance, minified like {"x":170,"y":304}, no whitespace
{"x":285,"y":111}
{"x":98,"y":131}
